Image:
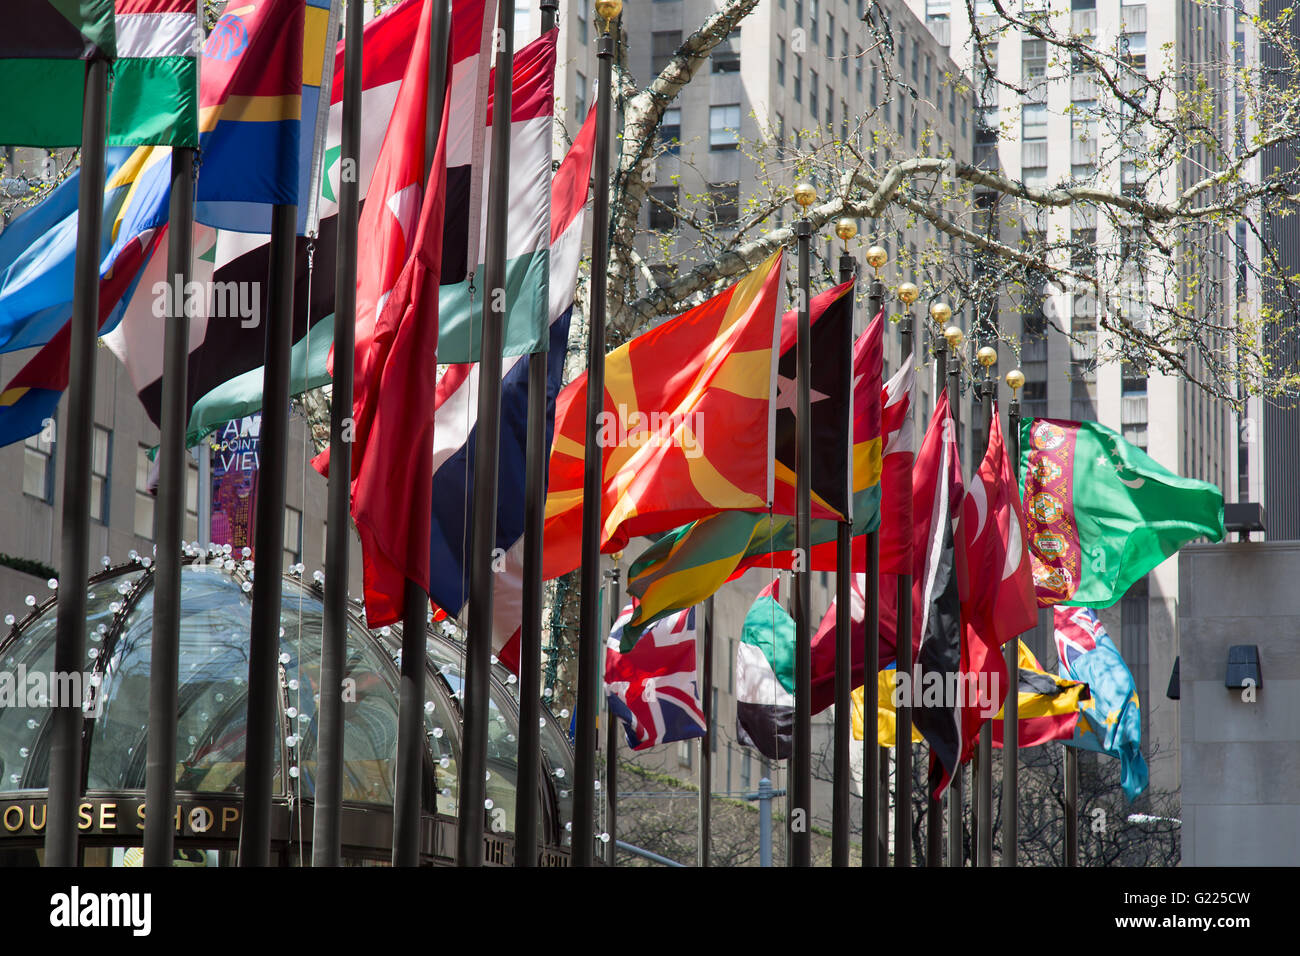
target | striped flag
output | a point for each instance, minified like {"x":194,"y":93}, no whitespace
{"x":458,"y":406}
{"x":155,"y":78}
{"x":765,"y":677}
{"x":653,"y":688}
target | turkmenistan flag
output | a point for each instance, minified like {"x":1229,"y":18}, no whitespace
{"x":764,"y":671}
{"x":688,"y":564}
{"x":1100,"y":512}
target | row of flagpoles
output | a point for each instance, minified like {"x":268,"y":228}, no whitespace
{"x":358,"y":403}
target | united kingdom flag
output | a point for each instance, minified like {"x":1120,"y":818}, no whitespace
{"x":652,"y":688}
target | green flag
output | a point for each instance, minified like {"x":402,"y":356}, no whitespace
{"x":1100,"y":513}
{"x":42,"y":49}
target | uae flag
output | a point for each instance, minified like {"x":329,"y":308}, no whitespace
{"x":764,"y":677}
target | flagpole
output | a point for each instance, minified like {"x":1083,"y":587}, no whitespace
{"x":611,"y":742}
{"x":169,"y":517}
{"x":478,"y":664}
{"x":703,"y":849}
{"x":1011,"y":709}
{"x":1071,"y":755}
{"x":939,"y":312}
{"x":530,"y":630}
{"x":908,"y":293}
{"x":956,"y":802}
{"x":262,"y":731}
{"x":846,"y":229}
{"x":327,"y":820}
{"x":589,"y":637}
{"x":800,"y":835}
{"x":875,"y":759}
{"x":65,"y":774}
{"x":983,"y":774}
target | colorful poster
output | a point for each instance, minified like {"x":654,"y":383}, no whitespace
{"x":235,"y":456}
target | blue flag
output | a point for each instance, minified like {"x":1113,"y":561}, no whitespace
{"x":1111,"y":723}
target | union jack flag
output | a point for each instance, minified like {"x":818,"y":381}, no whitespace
{"x":652,"y":688}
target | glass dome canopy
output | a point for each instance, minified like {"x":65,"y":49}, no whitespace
{"x":216,"y":604}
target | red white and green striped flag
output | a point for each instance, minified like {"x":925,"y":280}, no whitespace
{"x":1100,"y":512}
{"x":156,"y":76}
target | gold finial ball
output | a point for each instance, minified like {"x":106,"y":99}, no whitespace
{"x":617,"y":556}
{"x":846,"y":229}
{"x":953,"y":336}
{"x":877,"y":256}
{"x":941,"y":312}
{"x":805,"y":194}
{"x":909,"y":293}
{"x":1016,"y":379}
{"x":608,"y":10}
{"x":987,"y":356}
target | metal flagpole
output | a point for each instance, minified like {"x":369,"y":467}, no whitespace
{"x":846,"y":229}
{"x":78,"y":437}
{"x":705,"y":834}
{"x":800,"y":833}
{"x":469,"y":835}
{"x":169,"y":528}
{"x":611,"y":742}
{"x":908,"y":293}
{"x":956,"y":791}
{"x":268,"y":540}
{"x":527,"y":796}
{"x":589,"y":636}
{"x":1011,"y":709}
{"x":939,"y":312}
{"x":983,"y":774}
{"x":875,"y":759}
{"x":326,"y":846}
{"x":1071,"y":755}
{"x":408,"y":795}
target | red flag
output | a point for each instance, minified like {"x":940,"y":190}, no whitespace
{"x":392,"y":487}
{"x":998,"y":602}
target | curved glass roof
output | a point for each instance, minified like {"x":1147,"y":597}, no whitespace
{"x":216,"y":605}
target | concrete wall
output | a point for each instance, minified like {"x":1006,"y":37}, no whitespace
{"x":1240,"y":760}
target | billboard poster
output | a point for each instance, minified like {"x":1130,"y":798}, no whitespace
{"x":235,"y":449}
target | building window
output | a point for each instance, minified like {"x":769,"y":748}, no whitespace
{"x":780,"y":61}
{"x":916,"y":62}
{"x":725,"y":58}
{"x":1133,"y":50}
{"x":830,"y":34}
{"x":731,"y":665}
{"x":143,"y":499}
{"x":713,"y":723}
{"x":292,"y":536}
{"x":684,"y":748}
{"x":191,"y":532}
{"x":579,"y":97}
{"x":746,"y":768}
{"x":798,"y":13}
{"x":670,"y":130}
{"x":812,"y":94}
{"x":663,"y":47}
{"x":724,"y":126}
{"x":844,"y":53}
{"x":663,"y":206}
{"x":1034,"y":122}
{"x":38,"y":467}
{"x":724,"y":200}
{"x":101,"y":455}
{"x":830,"y":108}
{"x":812,"y":19}
{"x":929,"y":69}
{"x":582,"y":23}
{"x":798,"y":78}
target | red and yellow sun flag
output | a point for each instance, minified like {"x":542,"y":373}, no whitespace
{"x":687,"y":427}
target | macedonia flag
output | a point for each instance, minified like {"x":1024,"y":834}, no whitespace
{"x":687,"y":426}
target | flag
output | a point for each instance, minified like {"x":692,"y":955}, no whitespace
{"x":1048,"y":705}
{"x":394,"y":413}
{"x":43,"y":50}
{"x":458,"y":408}
{"x":686,"y":427}
{"x":251,"y":112}
{"x":896,"y":491}
{"x":997,"y":602}
{"x":690,"y":563}
{"x":764,"y":671}
{"x":936,"y":691}
{"x":1100,"y":513}
{"x":653,"y":687}
{"x":155,"y":79}
{"x":225,"y":374}
{"x":1111,"y":723}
